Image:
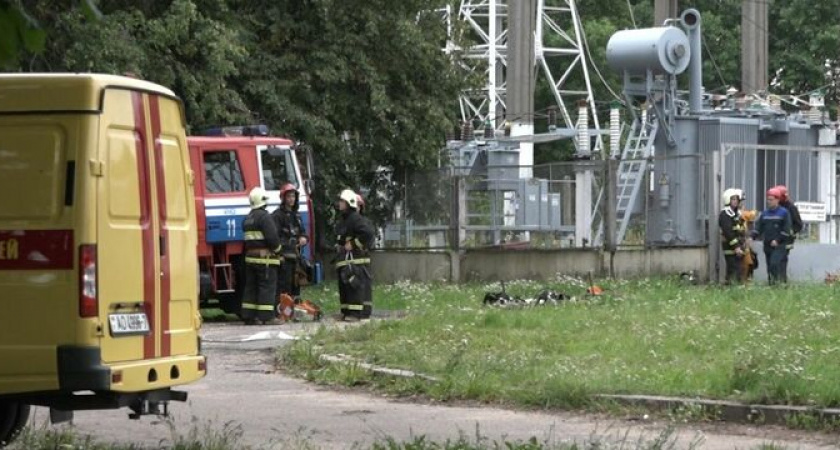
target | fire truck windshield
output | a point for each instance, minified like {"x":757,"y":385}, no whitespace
{"x":278,"y":168}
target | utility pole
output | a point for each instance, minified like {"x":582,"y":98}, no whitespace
{"x":664,"y":9}
{"x":522,"y":76}
{"x":754,"y":45}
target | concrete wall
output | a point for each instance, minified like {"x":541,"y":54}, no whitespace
{"x":660,"y":261}
{"x":493,"y":265}
{"x":808,"y":262}
{"x":391,"y":266}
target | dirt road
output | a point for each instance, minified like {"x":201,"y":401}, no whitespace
{"x":274,"y":410}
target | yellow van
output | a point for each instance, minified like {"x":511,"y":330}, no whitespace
{"x":98,"y":271}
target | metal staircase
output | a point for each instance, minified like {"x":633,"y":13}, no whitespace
{"x":631,"y":175}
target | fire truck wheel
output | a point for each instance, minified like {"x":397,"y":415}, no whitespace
{"x":230,"y":303}
{"x":13,"y":417}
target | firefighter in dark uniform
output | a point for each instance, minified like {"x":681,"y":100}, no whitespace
{"x":262,"y":244}
{"x":774,"y":226}
{"x":796,"y":224}
{"x":355,"y":237}
{"x":733,"y":237}
{"x":292,"y":237}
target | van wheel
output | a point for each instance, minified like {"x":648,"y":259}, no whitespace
{"x":13,"y":417}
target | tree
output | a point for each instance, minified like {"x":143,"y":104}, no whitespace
{"x":18,"y":32}
{"x":364,"y":82}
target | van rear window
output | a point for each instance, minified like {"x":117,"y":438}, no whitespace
{"x":32,"y":172}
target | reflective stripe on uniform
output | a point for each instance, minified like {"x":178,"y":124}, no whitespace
{"x":359,"y":244}
{"x":254,"y":236}
{"x":353,"y":307}
{"x":254,"y":260}
{"x":733,"y":241}
{"x":729,"y":252}
{"x":256,"y":307}
{"x":352,"y":261}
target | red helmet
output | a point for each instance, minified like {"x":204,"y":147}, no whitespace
{"x":288,"y":187}
{"x":783,"y":190}
{"x":774,"y":192}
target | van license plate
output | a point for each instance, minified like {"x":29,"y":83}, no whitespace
{"x":128,"y":324}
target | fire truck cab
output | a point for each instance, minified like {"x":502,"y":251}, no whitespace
{"x":228,"y":163}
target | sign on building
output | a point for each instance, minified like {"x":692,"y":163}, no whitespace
{"x":812,"y":212}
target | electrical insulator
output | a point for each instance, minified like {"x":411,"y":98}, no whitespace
{"x":467,"y":131}
{"x":489,"y":133}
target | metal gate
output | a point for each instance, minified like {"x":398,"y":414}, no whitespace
{"x":810,"y":173}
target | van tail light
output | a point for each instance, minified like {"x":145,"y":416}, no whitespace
{"x":88,"y":303}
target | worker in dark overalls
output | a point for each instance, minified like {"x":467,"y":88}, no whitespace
{"x":796,"y":224}
{"x":355,"y":238}
{"x":292,"y":238}
{"x":262,"y":245}
{"x":774,"y":226}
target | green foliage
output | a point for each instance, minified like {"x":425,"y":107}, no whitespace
{"x":364,"y":83}
{"x":18,"y":32}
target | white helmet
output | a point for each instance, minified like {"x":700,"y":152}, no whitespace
{"x":258,"y":198}
{"x":350,"y":198}
{"x":732,"y":192}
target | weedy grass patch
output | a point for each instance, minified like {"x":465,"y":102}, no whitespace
{"x":229,"y":437}
{"x":753,"y":344}
{"x":198,"y":436}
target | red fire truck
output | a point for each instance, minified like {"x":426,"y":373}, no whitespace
{"x":228,"y":162}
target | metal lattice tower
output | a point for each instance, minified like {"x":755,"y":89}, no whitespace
{"x":559,"y":54}
{"x":486,"y":29}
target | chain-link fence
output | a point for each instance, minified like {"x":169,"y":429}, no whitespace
{"x":501,"y":206}
{"x":809,"y":173}
{"x":665,"y":200}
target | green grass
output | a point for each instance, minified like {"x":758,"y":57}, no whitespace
{"x":205,"y":436}
{"x":324,"y":294}
{"x":229,"y":437}
{"x":213,"y":314}
{"x":752,"y":344}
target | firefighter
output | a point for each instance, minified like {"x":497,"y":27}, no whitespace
{"x":796,"y":223}
{"x":774,"y":226}
{"x":292,"y":238}
{"x":354,"y":241}
{"x":732,"y":229}
{"x":262,"y":244}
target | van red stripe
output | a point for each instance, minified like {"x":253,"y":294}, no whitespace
{"x":143,"y":173}
{"x":165,"y":263}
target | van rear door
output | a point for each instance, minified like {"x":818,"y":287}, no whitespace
{"x":147,"y":263}
{"x":127,"y":264}
{"x":178,"y":239}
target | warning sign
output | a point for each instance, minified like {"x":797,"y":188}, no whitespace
{"x":812,"y":212}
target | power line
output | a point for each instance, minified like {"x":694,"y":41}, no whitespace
{"x":595,"y":66}
{"x":714,"y":63}
{"x":758,"y":25}
{"x":632,"y":14}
